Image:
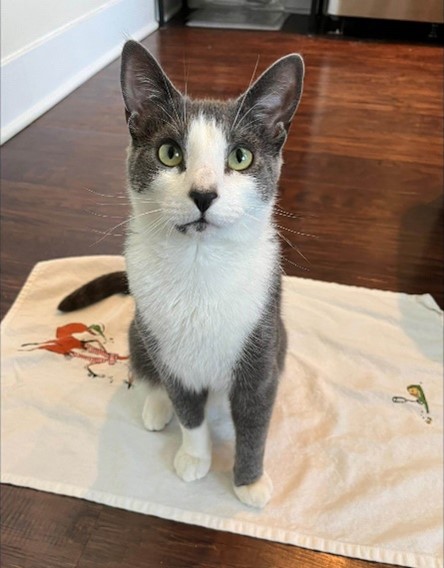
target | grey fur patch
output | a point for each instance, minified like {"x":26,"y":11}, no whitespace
{"x":188,"y":405}
{"x":254,"y":389}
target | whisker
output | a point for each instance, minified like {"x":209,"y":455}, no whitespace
{"x":140,"y":199}
{"x":169,"y":235}
{"x":185,"y":73}
{"x":258,"y":120}
{"x":252,"y":108}
{"x":167,"y":113}
{"x":103,"y":233}
{"x":296,"y":265}
{"x":110,"y":231}
{"x":252,"y":217}
{"x":96,"y":214}
{"x":284,"y":238}
{"x":116,"y":196}
{"x":297,"y":232}
{"x":289,"y":215}
{"x":246,"y":92}
{"x":304,"y":216}
{"x":247,"y":113}
{"x":294,"y":247}
{"x":155,"y":227}
{"x":114,"y":204}
{"x":167,"y":87}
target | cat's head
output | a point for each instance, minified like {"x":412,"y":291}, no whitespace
{"x":206,"y":167}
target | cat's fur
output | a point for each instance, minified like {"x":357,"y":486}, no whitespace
{"x":207,"y":285}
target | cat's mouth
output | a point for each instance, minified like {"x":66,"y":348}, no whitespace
{"x":198,"y":225}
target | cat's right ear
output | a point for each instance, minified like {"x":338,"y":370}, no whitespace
{"x":145,"y":87}
{"x":273,"y":99}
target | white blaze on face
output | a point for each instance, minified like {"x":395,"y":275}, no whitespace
{"x":205,"y":154}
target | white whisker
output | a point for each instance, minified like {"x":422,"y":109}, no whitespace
{"x":128,"y":204}
{"x":96,"y":214}
{"x":285,"y":214}
{"x":110,"y":231}
{"x":297,"y":265}
{"x":246,"y":92}
{"x":112,"y":196}
{"x":248,"y":112}
{"x":297,"y":232}
{"x":252,"y":217}
{"x":294,"y":247}
{"x":103,"y":233}
{"x":167,"y":87}
{"x":185,"y":72}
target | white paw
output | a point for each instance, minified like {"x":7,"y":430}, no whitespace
{"x":190,"y":468}
{"x":157,"y":411}
{"x":256,"y":494}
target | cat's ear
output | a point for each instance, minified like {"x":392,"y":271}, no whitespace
{"x":146,"y":89}
{"x":274,"y":97}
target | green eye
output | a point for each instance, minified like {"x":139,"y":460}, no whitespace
{"x":240,"y":159}
{"x":170,"y":154}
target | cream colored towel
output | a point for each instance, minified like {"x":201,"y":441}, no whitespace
{"x":355,"y":448}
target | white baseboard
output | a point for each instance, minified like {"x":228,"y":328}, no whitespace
{"x":37,"y":79}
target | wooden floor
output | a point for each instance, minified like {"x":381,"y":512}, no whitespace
{"x":363,"y":171}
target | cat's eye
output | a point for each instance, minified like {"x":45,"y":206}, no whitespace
{"x":240,"y":159}
{"x":170,"y":154}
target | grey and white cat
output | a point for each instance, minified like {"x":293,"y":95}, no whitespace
{"x":202,"y":257}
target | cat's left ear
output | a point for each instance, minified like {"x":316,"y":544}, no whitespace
{"x":145,"y":87}
{"x":274,"y":97}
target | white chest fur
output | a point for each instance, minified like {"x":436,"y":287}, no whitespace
{"x":201,"y":300}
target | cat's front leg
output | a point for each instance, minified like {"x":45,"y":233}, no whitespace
{"x":193,"y":459}
{"x":252,"y":397}
{"x":157,"y":410}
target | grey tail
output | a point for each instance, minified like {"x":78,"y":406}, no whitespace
{"x":94,"y":291}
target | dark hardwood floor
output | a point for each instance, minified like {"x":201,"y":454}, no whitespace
{"x":363,"y":173}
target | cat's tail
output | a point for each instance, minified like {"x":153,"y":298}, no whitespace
{"x":94,"y":291}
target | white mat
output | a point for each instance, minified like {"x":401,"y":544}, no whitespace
{"x":355,"y":473}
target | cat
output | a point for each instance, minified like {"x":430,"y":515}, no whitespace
{"x":203,"y":258}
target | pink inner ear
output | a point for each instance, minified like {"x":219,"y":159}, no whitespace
{"x":136,"y":92}
{"x":144,"y":84}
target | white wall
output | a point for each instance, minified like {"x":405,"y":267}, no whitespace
{"x":50,"y":47}
{"x":24,"y":22}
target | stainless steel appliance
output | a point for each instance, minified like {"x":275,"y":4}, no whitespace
{"x":431,"y":11}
